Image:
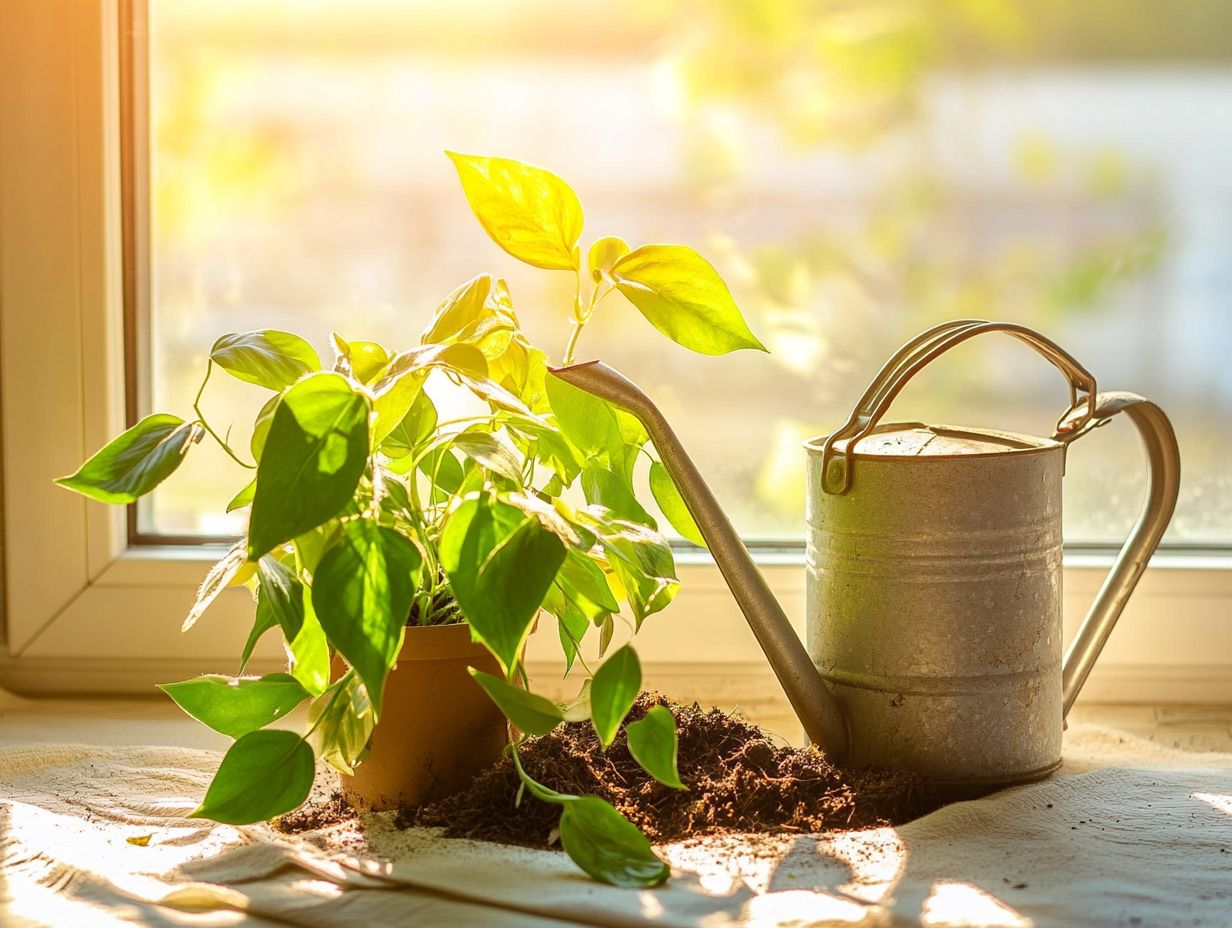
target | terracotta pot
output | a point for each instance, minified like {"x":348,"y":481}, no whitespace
{"x":438,"y":728}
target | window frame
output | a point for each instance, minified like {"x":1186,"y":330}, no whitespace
{"x":93,"y":606}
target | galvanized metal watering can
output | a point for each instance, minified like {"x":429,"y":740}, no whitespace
{"x":934,"y":573}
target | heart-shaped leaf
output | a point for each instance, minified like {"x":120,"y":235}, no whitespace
{"x":684,"y":297}
{"x":607,"y":846}
{"x":243,"y":497}
{"x":526,"y":210}
{"x":235,"y":706}
{"x":500,"y":562}
{"x":264,"y":774}
{"x":652,"y":742}
{"x":308,"y":653}
{"x":531,"y":713}
{"x":672,"y":505}
{"x":362,"y":592}
{"x":361,"y":360}
{"x":316,"y":451}
{"x":217,"y":580}
{"x":604,"y":254}
{"x":342,"y":724}
{"x":588,"y":422}
{"x":490,"y":453}
{"x":134,"y":463}
{"x":280,"y":596}
{"x":268,"y":358}
{"x":613,"y":691}
{"x":415,"y":428}
{"x":603,"y":486}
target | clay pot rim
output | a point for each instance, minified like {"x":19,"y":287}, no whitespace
{"x":439,"y":642}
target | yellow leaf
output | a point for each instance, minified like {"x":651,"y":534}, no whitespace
{"x":527,"y":210}
{"x":604,"y":253}
{"x":683,"y":296}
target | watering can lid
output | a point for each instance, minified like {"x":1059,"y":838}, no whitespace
{"x":915,"y":439}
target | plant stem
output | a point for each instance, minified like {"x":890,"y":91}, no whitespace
{"x":209,"y":366}
{"x":581,"y":318}
{"x":572,"y":343}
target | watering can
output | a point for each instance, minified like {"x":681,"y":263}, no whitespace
{"x":934,"y":573}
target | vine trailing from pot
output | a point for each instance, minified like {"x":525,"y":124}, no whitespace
{"x":370,"y":513}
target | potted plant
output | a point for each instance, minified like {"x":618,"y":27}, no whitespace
{"x":404,"y":557}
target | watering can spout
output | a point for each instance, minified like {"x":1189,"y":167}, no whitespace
{"x":806,"y":691}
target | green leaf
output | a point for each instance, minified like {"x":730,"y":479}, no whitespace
{"x":606,"y":627}
{"x":588,"y":422}
{"x":219,"y":576}
{"x":403,"y":378}
{"x":309,"y":653}
{"x":312,"y":545}
{"x":683,"y":297}
{"x":554,"y":450}
{"x":478,"y":314}
{"x":526,"y":210}
{"x":571,"y":624}
{"x":362,"y":592}
{"x":343,"y":720}
{"x":243,"y":497}
{"x":414,"y":429}
{"x":134,"y":463}
{"x":532,"y":714}
{"x":604,"y":487}
{"x":607,"y":846}
{"x":268,"y":358}
{"x":235,"y":706}
{"x":490,"y":453}
{"x":603,"y":254}
{"x":315,"y":454}
{"x":261,"y":426}
{"x":361,"y":360}
{"x":672,"y":504}
{"x":587,"y":586}
{"x":652,"y":742}
{"x":442,"y":468}
{"x":613,"y":691}
{"x":642,"y":561}
{"x":500,"y":563}
{"x":280,"y":596}
{"x":264,"y":774}
{"x":262,"y":623}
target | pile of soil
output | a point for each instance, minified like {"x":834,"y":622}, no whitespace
{"x":738,"y":779}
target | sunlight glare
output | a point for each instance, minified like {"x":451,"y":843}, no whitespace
{"x":1222,"y":803}
{"x":962,"y":905}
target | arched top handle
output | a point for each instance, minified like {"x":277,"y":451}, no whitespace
{"x":921,"y":351}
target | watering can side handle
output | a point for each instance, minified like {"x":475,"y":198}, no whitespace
{"x":1163,"y":485}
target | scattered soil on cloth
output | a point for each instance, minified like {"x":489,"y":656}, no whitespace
{"x":320,"y":811}
{"x":738,"y":780}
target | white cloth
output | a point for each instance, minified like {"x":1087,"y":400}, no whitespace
{"x":1130,"y":833}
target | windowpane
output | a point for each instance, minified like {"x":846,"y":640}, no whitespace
{"x":858,"y":173}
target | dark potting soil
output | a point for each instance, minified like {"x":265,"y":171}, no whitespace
{"x":738,"y":779}
{"x":321,"y":810}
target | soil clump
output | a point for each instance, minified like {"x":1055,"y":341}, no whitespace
{"x":738,"y":779}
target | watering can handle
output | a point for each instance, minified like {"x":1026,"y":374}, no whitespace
{"x":1163,"y":485}
{"x":1088,"y":410}
{"x":917,"y":354}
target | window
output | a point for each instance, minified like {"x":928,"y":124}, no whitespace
{"x":296,"y":180}
{"x":285,"y":169}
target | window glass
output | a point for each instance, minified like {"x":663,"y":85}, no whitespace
{"x":857,"y":171}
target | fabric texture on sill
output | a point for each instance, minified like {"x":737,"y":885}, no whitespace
{"x":1129,"y":833}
